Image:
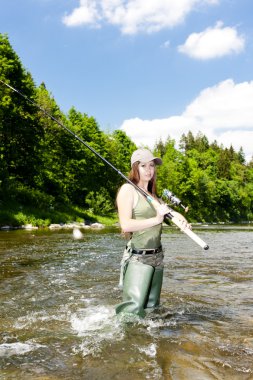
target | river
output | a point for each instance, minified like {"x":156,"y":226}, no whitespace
{"x":58,"y":295}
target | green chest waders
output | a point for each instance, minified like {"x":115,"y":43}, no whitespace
{"x":155,"y":288}
{"x":141,"y":288}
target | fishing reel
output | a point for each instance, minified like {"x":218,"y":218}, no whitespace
{"x":174,"y":200}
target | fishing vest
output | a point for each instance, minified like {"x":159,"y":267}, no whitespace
{"x":149,"y":238}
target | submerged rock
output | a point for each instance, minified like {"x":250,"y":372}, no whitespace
{"x":6,"y":228}
{"x":97,"y":225}
{"x":29,"y":227}
{"x":76,"y":225}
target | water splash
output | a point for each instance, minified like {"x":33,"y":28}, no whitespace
{"x":150,"y":350}
{"x":95,"y":325}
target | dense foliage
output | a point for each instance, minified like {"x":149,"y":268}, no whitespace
{"x":43,"y":166}
{"x":214,"y":181}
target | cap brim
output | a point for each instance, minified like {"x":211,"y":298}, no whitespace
{"x":158,"y":161}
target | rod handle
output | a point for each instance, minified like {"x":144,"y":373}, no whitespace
{"x":186,"y":230}
{"x":190,"y":233}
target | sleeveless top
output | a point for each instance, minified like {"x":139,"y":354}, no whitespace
{"x":149,"y":238}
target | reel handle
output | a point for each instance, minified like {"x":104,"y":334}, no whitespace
{"x":174,"y":200}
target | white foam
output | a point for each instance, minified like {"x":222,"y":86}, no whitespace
{"x":17,"y":348}
{"x":96,"y":318}
{"x":150,"y":350}
{"x":95,"y":325}
{"x":35,"y":317}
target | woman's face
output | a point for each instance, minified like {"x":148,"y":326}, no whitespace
{"x":146,"y":170}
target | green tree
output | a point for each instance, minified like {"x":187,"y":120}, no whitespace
{"x":56,"y":146}
{"x":187,"y":142}
{"x":89,"y":168}
{"x":169,"y":174}
{"x":118,"y":149}
{"x":20,"y":133}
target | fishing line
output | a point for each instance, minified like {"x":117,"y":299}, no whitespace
{"x":74,"y":135}
{"x":149,"y":198}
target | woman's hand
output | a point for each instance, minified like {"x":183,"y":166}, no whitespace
{"x":161,"y":210}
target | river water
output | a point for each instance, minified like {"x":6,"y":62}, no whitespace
{"x":57,"y":299}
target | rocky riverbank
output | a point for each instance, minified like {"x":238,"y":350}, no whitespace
{"x":56,"y":226}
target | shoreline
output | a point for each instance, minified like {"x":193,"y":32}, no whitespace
{"x":98,"y":225}
{"x":55,"y":226}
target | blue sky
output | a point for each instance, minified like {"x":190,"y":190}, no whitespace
{"x":154,"y":68}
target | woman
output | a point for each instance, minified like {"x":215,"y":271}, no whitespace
{"x":142,"y":263}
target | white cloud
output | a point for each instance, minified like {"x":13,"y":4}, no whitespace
{"x":86,"y":13}
{"x":213,"y":43}
{"x":223,"y":112}
{"x":133,"y":16}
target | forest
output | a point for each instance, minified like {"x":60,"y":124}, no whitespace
{"x":48,"y":176}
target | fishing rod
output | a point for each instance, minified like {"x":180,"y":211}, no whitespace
{"x":149,"y":198}
{"x":177,"y":202}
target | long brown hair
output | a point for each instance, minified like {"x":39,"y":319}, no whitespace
{"x":134,"y":176}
